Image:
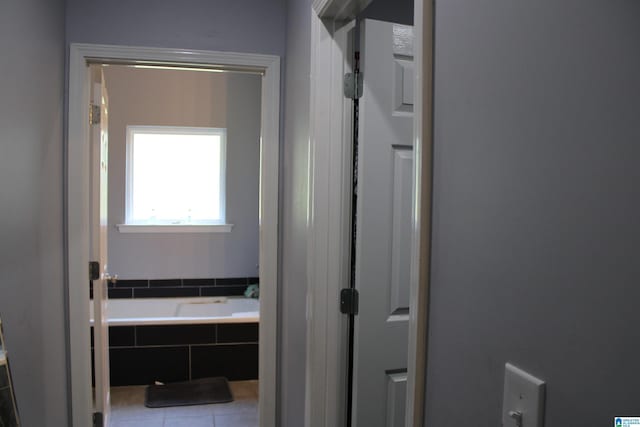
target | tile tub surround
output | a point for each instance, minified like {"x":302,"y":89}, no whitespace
{"x":140,"y":355}
{"x":173,"y":288}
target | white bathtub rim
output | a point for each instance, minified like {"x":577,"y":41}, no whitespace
{"x":180,"y":320}
{"x":237,"y":317}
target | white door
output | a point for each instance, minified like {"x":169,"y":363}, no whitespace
{"x":99,"y":174}
{"x":383,"y":224}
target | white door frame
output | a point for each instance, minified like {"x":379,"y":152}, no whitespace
{"x":78,"y":192}
{"x":328,"y":256}
{"x":330,"y":213}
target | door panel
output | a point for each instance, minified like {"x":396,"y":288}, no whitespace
{"x":99,"y":196}
{"x":403,"y":86}
{"x":401,"y":233}
{"x":396,"y":398}
{"x":383,"y":225}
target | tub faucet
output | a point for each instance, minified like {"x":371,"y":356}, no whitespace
{"x":252,"y":291}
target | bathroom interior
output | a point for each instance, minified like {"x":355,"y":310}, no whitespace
{"x":183,"y":289}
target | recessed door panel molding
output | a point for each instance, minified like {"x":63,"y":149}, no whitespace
{"x":401,"y":232}
{"x":403,"y":71}
{"x":396,"y":398}
{"x":402,"y":40}
{"x":403,"y":74}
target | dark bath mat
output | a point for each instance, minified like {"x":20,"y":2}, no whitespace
{"x":196,"y":392}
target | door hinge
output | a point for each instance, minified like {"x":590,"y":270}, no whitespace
{"x":353,"y":85}
{"x":94,"y":114}
{"x":94,"y":270}
{"x":98,"y":419}
{"x":349,"y":301}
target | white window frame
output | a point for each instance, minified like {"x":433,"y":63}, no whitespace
{"x":131,"y":226}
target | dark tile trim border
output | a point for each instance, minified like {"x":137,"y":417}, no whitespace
{"x":130,"y":284}
{"x":175,"y":288}
{"x":166,"y":292}
{"x":163,"y":283}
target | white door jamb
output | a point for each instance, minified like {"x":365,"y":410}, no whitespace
{"x":422,"y":206}
{"x":77,"y":193}
{"x":328,"y":265}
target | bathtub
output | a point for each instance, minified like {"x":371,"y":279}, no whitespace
{"x":180,"y":311}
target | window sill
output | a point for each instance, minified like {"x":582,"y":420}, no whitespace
{"x":174,"y":228}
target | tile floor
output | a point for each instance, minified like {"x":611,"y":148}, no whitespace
{"x":128,"y":410}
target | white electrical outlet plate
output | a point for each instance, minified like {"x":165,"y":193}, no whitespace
{"x":524,"y":395}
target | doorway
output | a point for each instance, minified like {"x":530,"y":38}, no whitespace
{"x":182,"y":231}
{"x":79,"y":193}
{"x":331,"y":44}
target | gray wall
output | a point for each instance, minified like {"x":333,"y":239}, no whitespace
{"x":187,"y":98}
{"x":31,"y":195}
{"x":294,"y":213}
{"x":229,"y":25}
{"x":536,"y":207}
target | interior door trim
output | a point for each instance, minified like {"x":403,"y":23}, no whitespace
{"x":329,"y":226}
{"x":77,"y":210}
{"x":424,"y":23}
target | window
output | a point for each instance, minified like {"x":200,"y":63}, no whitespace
{"x":175,"y":179}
